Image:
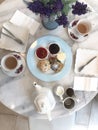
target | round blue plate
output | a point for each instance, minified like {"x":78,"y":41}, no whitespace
{"x":31,"y":59}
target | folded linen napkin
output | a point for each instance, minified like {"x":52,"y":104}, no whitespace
{"x":23,"y":20}
{"x":85,"y":83}
{"x":20,"y":25}
{"x":19,"y":32}
{"x":82,"y":57}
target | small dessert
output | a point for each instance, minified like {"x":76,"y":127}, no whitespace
{"x":52,"y":59}
{"x":43,"y":65}
{"x":61,"y":56}
{"x":54,"y":48}
{"x":57,"y":66}
{"x":41,"y":53}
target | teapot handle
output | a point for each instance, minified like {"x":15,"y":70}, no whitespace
{"x":49,"y":115}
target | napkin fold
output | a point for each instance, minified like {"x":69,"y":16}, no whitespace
{"x":23,"y":20}
{"x":19,"y":32}
{"x":82,"y":57}
{"x":20,"y":26}
{"x":85,"y":83}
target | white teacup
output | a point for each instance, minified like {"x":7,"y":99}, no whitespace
{"x":69,"y":102}
{"x":9,"y":63}
{"x":83,"y":27}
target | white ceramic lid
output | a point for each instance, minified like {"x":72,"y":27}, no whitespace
{"x":42,"y":103}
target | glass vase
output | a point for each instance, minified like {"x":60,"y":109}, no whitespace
{"x":49,"y":22}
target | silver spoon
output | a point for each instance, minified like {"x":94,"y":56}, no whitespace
{"x":80,"y":68}
{"x":12,"y":36}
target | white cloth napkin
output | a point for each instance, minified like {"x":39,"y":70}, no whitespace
{"x":85,"y":83}
{"x":82,"y":57}
{"x":20,"y":25}
{"x":21,"y":19}
{"x":19,"y":32}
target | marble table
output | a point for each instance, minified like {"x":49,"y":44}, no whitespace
{"x":16,"y":93}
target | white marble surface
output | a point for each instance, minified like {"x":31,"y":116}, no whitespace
{"x":16,"y":93}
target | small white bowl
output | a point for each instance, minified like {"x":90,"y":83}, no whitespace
{"x":55,"y":46}
{"x":41,"y":50}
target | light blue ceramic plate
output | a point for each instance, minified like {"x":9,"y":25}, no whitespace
{"x":31,"y":59}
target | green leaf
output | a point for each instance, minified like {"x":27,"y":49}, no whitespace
{"x":69,"y":1}
{"x":45,"y":1}
{"x":66,"y":9}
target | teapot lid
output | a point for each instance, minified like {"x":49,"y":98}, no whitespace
{"x":42,"y":104}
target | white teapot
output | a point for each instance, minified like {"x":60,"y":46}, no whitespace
{"x":44,"y":100}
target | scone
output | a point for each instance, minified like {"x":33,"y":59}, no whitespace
{"x":43,"y":65}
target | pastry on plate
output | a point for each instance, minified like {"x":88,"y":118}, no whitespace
{"x":61,"y":56}
{"x":57,"y":66}
{"x":43,"y":65}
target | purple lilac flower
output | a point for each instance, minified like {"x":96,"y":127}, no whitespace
{"x":62,"y":20}
{"x":36,"y":6}
{"x":79,"y":8}
{"x":47,"y":11}
{"x":57,"y":6}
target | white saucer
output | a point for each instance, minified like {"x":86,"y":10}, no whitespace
{"x":21,"y":68}
{"x":73,"y":34}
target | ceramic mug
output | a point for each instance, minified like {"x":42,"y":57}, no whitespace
{"x":83,"y":27}
{"x":69,"y":102}
{"x":9,"y":63}
{"x":69,"y":92}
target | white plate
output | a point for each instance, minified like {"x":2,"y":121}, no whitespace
{"x":73,"y":33}
{"x":21,"y":68}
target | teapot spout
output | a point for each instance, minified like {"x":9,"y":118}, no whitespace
{"x":36,"y":86}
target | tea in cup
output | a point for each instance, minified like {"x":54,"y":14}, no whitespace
{"x":9,"y":63}
{"x":69,"y":92}
{"x":69,"y":102}
{"x":83,"y":27}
